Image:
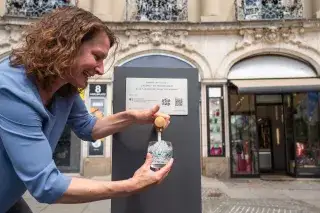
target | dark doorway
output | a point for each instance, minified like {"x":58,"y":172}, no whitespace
{"x":272,"y":149}
{"x":67,"y":152}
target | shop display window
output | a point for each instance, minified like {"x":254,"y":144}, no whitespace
{"x":244,"y":155}
{"x":307,"y":133}
{"x":216,"y":144}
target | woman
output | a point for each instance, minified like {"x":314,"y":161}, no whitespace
{"x":39,"y":95}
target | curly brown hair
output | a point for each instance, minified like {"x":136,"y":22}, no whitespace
{"x":52,"y":43}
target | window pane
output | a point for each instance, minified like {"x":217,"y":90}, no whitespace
{"x":241,"y":103}
{"x":269,"y":99}
{"x":243,"y":135}
{"x":216,"y":143}
{"x":306,"y":121}
{"x":214,"y":92}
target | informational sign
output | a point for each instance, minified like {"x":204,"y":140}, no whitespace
{"x":96,"y":148}
{"x":97,"y":109}
{"x":97,"y":90}
{"x":171,"y":94}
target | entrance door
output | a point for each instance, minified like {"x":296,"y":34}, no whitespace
{"x":243,"y":135}
{"x":279,"y":146}
{"x":272,"y":147}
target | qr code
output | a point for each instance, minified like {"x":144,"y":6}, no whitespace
{"x":166,"y":102}
{"x":178,"y":102}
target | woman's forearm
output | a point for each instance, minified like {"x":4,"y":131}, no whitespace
{"x":112,"y":124}
{"x":86,"y":190}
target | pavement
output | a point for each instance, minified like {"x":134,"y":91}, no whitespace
{"x":230,"y":196}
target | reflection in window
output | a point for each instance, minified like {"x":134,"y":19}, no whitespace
{"x":215,"y":119}
{"x":157,"y":10}
{"x":269,"y":9}
{"x":34,"y":8}
{"x":243,"y":134}
{"x":307,"y":131}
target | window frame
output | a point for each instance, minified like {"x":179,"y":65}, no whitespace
{"x":233,"y":174}
{"x":222,"y":120}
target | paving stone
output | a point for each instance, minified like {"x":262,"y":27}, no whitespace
{"x":232,"y":196}
{"x":257,"y":206}
{"x":65,"y":208}
{"x":212,"y":193}
{"x":35,"y":205}
{"x":99,"y":207}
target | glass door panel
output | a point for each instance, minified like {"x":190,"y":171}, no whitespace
{"x":244,"y":147}
{"x":288,"y":115}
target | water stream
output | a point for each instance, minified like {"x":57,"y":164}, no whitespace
{"x":159,"y":136}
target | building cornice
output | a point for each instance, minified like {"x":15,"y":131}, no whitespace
{"x":207,"y":27}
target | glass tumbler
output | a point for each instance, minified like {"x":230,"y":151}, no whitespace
{"x":161,"y":151}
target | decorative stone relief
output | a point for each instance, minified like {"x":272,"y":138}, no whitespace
{"x":273,"y":35}
{"x":156,"y":38}
{"x":9,"y":36}
{"x":4,"y":38}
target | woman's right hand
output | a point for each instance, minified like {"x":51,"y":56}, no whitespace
{"x":145,"y":177}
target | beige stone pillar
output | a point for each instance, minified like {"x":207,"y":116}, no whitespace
{"x":217,"y":10}
{"x":119,"y":10}
{"x":316,"y":8}
{"x":2,"y":7}
{"x":103,"y":9}
{"x":194,"y":10}
{"x":85,"y":4}
{"x":307,"y":8}
{"x":210,"y":7}
{"x":209,"y":10}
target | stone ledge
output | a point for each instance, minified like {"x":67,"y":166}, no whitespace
{"x":206,"y":27}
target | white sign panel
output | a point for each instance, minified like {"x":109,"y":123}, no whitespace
{"x":171,"y":94}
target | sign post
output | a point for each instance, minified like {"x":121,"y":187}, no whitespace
{"x":97,"y":90}
{"x":97,"y":94}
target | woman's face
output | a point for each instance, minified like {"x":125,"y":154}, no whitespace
{"x":89,"y":61}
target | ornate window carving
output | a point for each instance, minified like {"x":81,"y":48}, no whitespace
{"x":34,"y":8}
{"x":156,"y":10}
{"x":269,"y":9}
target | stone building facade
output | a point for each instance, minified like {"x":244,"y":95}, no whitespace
{"x":250,"y":54}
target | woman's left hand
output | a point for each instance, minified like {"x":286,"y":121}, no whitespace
{"x":148,"y":116}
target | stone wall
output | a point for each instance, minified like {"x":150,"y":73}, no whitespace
{"x":218,"y":167}
{"x":96,"y":166}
